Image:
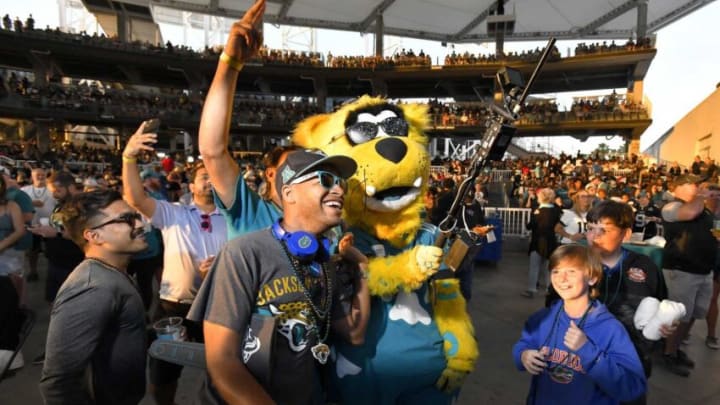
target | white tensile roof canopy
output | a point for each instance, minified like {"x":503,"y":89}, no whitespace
{"x":457,"y":21}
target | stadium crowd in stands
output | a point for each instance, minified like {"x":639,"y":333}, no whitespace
{"x":171,"y":104}
{"x":630,"y":45}
{"x":539,"y":111}
{"x":310,"y":59}
{"x":280,"y":112}
{"x":402,"y":58}
{"x":467,"y":58}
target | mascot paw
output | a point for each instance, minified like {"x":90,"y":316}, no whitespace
{"x":428,"y":259}
{"x":450,"y":380}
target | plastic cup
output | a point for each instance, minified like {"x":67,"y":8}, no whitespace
{"x":44,"y":221}
{"x":716,"y":228}
{"x":169,"y":328}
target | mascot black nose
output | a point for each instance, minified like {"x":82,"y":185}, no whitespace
{"x":391,"y":149}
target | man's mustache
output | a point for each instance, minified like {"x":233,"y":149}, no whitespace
{"x":137,"y":232}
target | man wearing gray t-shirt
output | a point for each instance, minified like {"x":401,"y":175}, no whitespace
{"x":284,"y":275}
{"x":97,"y":324}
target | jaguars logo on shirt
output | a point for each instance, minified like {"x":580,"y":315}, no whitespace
{"x":294,"y":323}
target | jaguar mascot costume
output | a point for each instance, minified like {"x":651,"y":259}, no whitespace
{"x":420,"y":342}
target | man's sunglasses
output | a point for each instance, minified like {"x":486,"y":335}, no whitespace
{"x":327,"y":180}
{"x":362,"y":132}
{"x":129,"y":218}
{"x":205,"y":223}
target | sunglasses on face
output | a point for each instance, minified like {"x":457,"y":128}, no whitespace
{"x":327,"y":180}
{"x":129,"y":218}
{"x":362,"y":132}
{"x":205,"y":223}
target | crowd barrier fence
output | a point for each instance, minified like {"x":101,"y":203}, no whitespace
{"x":513,"y":220}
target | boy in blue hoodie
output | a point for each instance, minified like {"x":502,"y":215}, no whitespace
{"x":577,"y":352}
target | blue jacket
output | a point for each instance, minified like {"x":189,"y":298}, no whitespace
{"x":606,"y":369}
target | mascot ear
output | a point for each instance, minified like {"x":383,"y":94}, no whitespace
{"x":306,"y":132}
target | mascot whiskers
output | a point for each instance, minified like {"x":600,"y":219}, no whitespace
{"x":420,"y":343}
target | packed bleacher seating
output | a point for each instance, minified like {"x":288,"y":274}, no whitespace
{"x":105,"y":100}
{"x":93,"y":97}
{"x":271,"y":111}
{"x":310,"y":59}
{"x":285,"y":57}
{"x":264,"y":111}
{"x":468,"y":58}
{"x":604,"y":47}
{"x":539,"y":111}
{"x":458,"y":114}
{"x":402,"y":58}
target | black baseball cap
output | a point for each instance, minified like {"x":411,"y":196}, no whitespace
{"x":300,"y":162}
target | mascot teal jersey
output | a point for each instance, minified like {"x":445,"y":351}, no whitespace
{"x":402,"y":335}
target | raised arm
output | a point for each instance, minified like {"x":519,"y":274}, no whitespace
{"x":242,"y":44}
{"x":133,"y":189}
{"x":683,"y":211}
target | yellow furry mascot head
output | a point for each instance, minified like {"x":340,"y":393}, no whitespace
{"x":385,"y":196}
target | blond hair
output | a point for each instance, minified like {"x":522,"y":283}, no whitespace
{"x":545,"y":195}
{"x":585,"y":258}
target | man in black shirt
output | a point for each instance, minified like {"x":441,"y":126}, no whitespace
{"x":63,"y":255}
{"x":61,"y":252}
{"x":628,"y":277}
{"x":688,"y":260}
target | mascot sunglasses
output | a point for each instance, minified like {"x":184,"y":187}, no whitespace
{"x":361,"y":132}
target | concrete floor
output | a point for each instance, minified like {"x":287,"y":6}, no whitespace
{"x":498,"y":313}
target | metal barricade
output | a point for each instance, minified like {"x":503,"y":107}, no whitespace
{"x":513,"y":219}
{"x":622,"y":172}
{"x":75,"y":165}
{"x":500,"y":176}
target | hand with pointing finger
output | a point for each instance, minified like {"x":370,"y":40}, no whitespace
{"x":245,"y":37}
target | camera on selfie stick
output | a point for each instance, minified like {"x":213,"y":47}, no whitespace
{"x":495,"y":141}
